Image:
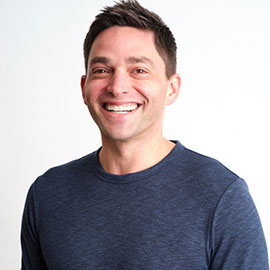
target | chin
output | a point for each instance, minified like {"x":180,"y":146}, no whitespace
{"x":118,"y":135}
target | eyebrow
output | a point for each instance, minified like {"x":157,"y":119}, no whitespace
{"x":129,"y":60}
{"x":135,"y":60}
{"x":99,"y":59}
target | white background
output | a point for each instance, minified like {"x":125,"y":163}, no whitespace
{"x":223,"y":110}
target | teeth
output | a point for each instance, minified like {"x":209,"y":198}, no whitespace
{"x":121,"y":108}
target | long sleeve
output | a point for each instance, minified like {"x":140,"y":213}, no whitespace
{"x":237,"y":238}
{"x":32,"y":258}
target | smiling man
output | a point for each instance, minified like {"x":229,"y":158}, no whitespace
{"x":141,"y":201}
{"x":126,"y":90}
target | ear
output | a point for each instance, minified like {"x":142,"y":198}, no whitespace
{"x":83,"y":79}
{"x":173,"y":88}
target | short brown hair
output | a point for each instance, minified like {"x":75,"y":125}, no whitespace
{"x":131,"y":13}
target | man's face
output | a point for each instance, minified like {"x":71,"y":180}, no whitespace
{"x":126,"y":88}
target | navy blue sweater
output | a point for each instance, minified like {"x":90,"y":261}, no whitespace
{"x":187,"y":212}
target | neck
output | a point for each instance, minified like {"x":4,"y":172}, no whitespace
{"x":122,"y":157}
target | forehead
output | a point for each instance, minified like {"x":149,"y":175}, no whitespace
{"x":125,"y":42}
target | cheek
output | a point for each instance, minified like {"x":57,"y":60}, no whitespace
{"x":155,"y":91}
{"x":93,"y":91}
{"x":147,"y":88}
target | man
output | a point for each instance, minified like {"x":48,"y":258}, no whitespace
{"x":140,"y":201}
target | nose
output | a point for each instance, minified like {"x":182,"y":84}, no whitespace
{"x":119,"y":83}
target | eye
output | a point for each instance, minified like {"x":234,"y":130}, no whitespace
{"x":140,"y":71}
{"x":99,"y":71}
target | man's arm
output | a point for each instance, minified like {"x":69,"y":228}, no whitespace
{"x":237,"y":239}
{"x":32,"y":258}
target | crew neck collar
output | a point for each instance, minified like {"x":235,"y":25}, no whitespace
{"x":144,"y":174}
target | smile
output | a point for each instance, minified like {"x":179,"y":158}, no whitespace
{"x":123,"y":108}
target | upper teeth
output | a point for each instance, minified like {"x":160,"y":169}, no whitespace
{"x":121,"y":108}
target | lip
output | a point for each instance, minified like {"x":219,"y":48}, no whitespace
{"x":118,"y":103}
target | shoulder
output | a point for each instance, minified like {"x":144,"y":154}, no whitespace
{"x":65,"y":175}
{"x":204,"y":168}
{"x":204,"y":176}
